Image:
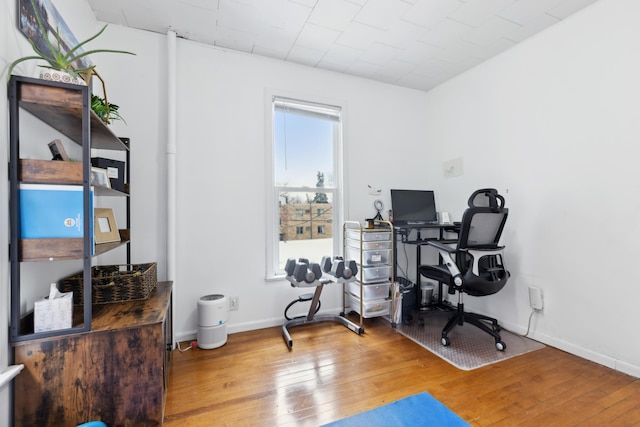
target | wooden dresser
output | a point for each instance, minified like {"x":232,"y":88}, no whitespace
{"x":118,"y":372}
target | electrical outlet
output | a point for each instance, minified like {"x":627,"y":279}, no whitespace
{"x":234,"y":303}
{"x":535,"y":298}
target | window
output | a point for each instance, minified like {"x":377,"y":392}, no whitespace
{"x":305,"y":179}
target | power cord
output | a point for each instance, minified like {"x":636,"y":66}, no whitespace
{"x":526,"y":334}
{"x":193,"y":344}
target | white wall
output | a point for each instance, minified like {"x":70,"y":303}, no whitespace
{"x":221,"y":171}
{"x":553,"y":123}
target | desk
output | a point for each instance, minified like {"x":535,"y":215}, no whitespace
{"x":411,"y":235}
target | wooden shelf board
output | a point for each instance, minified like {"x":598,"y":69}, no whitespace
{"x":60,"y":106}
{"x":33,"y":250}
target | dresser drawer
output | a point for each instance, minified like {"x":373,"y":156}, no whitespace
{"x":369,"y":291}
{"x":373,"y":308}
{"x":369,"y":257}
{"x":368,"y":236}
{"x":375,"y":274}
{"x":373,"y":244}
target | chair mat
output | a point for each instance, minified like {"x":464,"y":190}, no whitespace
{"x":470,"y":347}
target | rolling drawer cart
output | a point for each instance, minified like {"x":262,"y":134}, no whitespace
{"x":372,"y":249}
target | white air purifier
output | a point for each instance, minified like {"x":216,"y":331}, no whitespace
{"x":212,"y":321}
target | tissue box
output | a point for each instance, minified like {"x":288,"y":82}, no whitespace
{"x":53,"y":312}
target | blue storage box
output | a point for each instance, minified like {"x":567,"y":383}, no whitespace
{"x":53,"y":211}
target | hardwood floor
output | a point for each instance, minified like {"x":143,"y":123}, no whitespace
{"x":331,"y":373}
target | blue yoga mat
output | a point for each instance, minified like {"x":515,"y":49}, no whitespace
{"x":418,"y":410}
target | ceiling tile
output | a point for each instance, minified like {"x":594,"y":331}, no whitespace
{"x":477,"y":12}
{"x":538,"y":24}
{"x":308,"y":3}
{"x":334,"y":14}
{"x":445,"y":32}
{"x":271,"y":53}
{"x":363,"y":69}
{"x":317,"y":37}
{"x":202,"y":4}
{"x":381,"y":13}
{"x":233,"y":39}
{"x":456,"y":52}
{"x":569,"y":7}
{"x":305,"y":55}
{"x":394,"y":70}
{"x":524,"y":11}
{"x":427,"y":13}
{"x":401,"y":33}
{"x":342,"y":54}
{"x":418,"y":53}
{"x":486,"y":52}
{"x":360,"y":36}
{"x":380,"y":54}
{"x":490,"y":31}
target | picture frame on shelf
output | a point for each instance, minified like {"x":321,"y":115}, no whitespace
{"x":105,"y":229}
{"x":57,"y":151}
{"x":100,"y":177}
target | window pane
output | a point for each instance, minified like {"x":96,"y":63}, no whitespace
{"x":303,"y":149}
{"x":309,"y":236}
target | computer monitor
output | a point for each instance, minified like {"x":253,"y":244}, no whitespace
{"x":413,"y":207}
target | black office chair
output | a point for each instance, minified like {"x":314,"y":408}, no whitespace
{"x":474,"y":266}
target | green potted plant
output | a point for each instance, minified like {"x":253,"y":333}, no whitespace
{"x":57,"y":58}
{"x":105,"y":110}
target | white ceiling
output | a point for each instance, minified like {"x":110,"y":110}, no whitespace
{"x":413,"y":43}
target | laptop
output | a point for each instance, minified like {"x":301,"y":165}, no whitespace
{"x":413,"y":208}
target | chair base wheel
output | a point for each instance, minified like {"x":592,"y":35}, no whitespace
{"x":445,"y":341}
{"x":501,"y":346}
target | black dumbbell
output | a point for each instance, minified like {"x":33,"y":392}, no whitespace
{"x":302,"y":272}
{"x":289,"y":266}
{"x":325,"y":264}
{"x":316,"y":270}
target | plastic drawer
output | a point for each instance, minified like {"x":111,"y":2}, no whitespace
{"x":369,"y":292}
{"x":370,"y":257}
{"x":373,"y":308}
{"x":368,"y":236}
{"x":374,"y":244}
{"x":375,"y":274}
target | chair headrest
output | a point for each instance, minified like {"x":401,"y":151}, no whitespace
{"x":486,"y":197}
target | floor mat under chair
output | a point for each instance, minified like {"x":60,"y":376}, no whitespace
{"x":470,"y":347}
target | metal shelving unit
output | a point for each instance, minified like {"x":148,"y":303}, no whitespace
{"x":67,"y":109}
{"x":372,"y":248}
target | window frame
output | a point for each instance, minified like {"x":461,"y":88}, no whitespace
{"x":272,"y":234}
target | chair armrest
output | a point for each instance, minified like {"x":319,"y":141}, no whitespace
{"x":478,"y":253}
{"x":441,"y":247}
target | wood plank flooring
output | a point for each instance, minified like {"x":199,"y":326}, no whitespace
{"x":331,"y":373}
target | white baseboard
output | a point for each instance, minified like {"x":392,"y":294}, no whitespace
{"x":582,"y":352}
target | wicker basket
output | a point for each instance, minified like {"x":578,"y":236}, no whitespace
{"x":114,"y":283}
